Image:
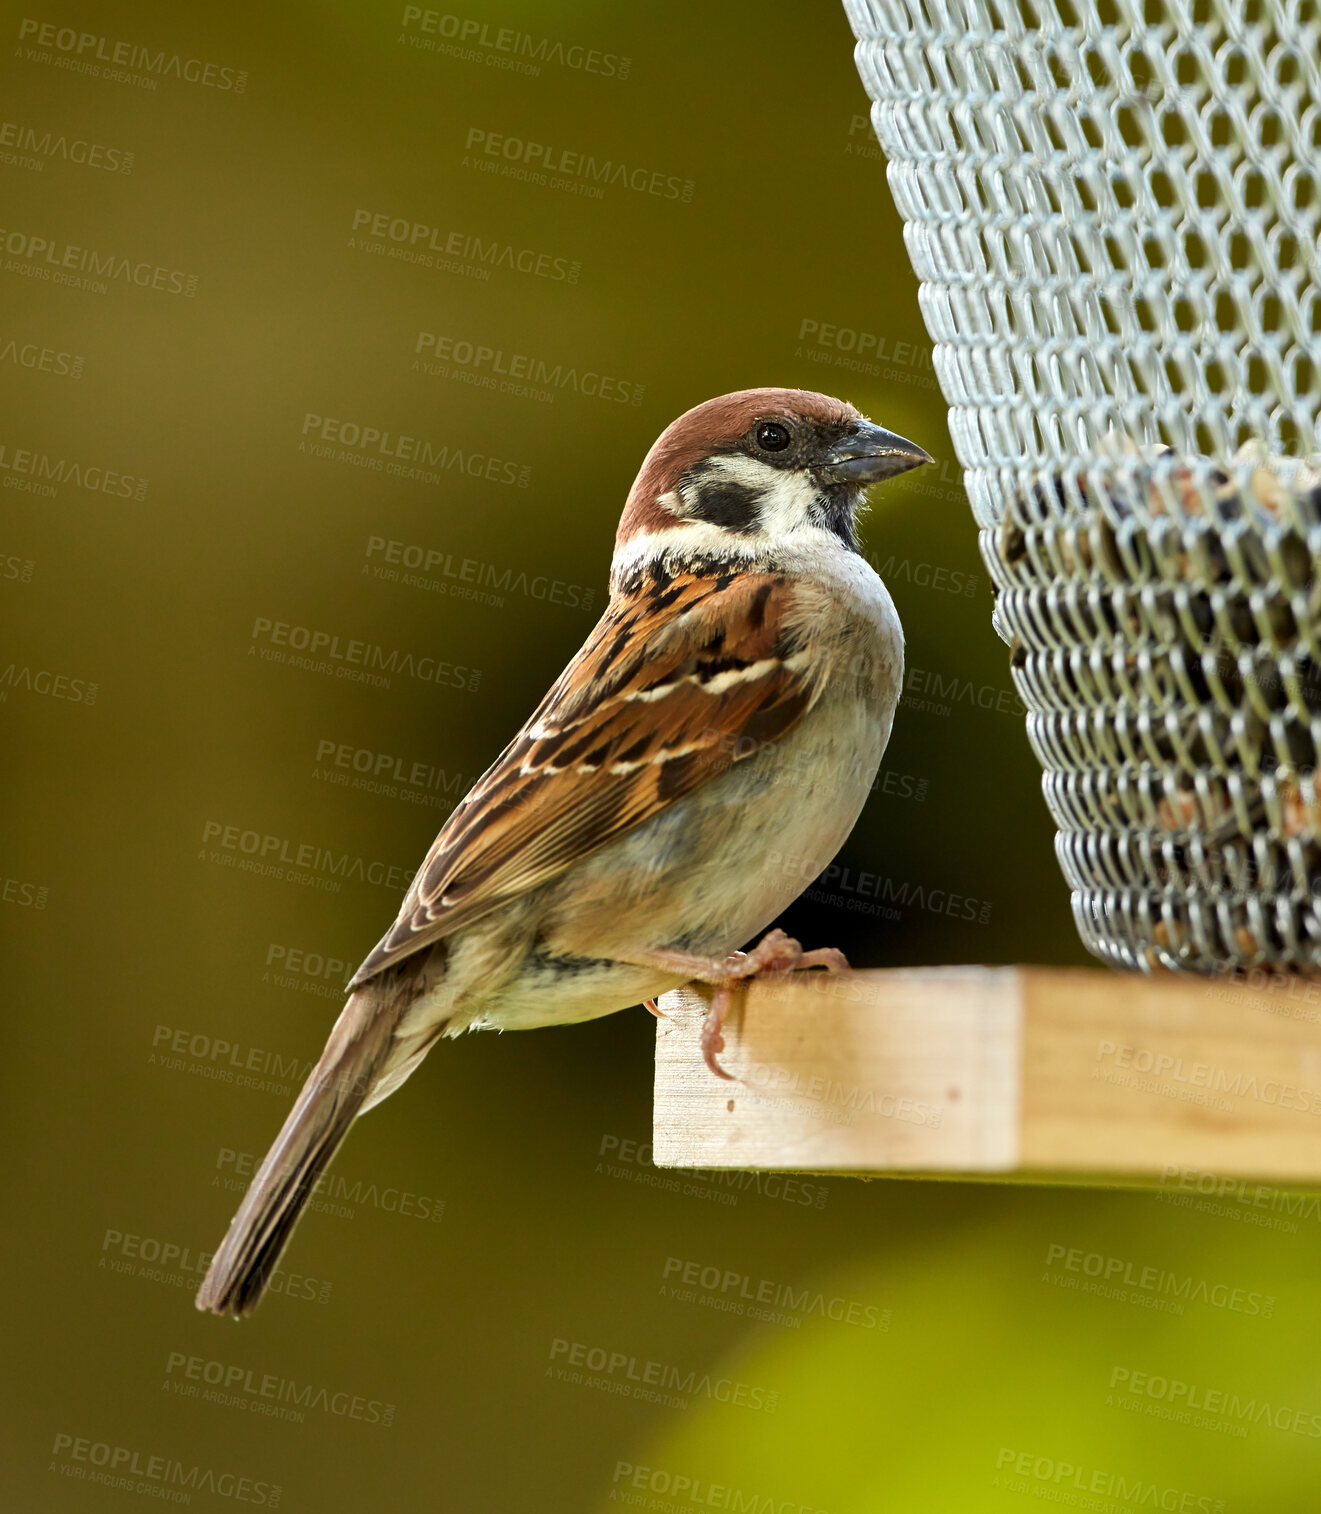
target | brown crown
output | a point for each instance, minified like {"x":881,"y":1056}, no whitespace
{"x":707,"y":428}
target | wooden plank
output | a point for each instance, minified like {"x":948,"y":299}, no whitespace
{"x":1025,"y":1073}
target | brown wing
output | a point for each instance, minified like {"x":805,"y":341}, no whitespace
{"x":679,"y":679}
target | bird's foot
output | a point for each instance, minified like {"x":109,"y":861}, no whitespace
{"x":777,"y":952}
{"x":774,"y":955}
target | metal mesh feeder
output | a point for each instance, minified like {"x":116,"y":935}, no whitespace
{"x":1114,"y":212}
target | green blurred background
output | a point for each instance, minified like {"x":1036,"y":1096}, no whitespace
{"x":497,"y":1230}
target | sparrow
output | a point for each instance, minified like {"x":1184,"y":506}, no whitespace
{"x":729,"y":709}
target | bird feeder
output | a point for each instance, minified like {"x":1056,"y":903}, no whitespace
{"x":1114,"y":212}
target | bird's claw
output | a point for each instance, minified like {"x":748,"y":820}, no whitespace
{"x":774,"y":955}
{"x":713,"y":1041}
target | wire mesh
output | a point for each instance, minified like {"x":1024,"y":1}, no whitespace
{"x":1114,"y":209}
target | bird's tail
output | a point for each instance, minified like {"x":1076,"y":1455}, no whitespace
{"x":356,"y":1061}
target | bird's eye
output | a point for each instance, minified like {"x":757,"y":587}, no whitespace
{"x":772,"y":437}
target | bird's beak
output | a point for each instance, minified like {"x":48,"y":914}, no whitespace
{"x":868,"y":454}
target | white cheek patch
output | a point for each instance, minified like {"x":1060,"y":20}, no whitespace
{"x":787,"y":499}
{"x":779,"y":517}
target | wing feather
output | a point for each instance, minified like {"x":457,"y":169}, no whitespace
{"x":682,"y":677}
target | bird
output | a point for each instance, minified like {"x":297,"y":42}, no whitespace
{"x":729,"y":710}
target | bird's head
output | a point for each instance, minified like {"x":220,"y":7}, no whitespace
{"x":743,"y":473}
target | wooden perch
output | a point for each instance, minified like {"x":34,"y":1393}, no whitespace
{"x":1020,"y":1072}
